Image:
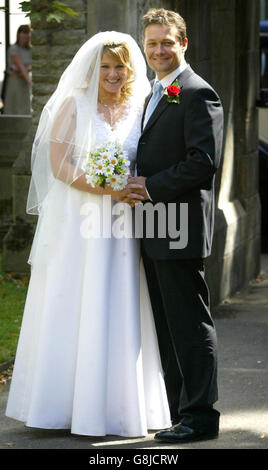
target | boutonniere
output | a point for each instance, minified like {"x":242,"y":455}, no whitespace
{"x":173,"y":92}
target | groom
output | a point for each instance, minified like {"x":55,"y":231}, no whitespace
{"x":178,"y":154}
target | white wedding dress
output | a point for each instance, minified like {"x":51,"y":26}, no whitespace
{"x":87,"y":358}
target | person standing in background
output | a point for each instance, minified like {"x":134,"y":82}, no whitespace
{"x":17,"y":97}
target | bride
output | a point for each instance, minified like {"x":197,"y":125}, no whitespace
{"x":87,"y":358}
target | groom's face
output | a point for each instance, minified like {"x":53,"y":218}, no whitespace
{"x":162,"y":48}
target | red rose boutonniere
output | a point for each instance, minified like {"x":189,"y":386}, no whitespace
{"x":173,"y":92}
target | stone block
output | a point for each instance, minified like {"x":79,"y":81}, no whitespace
{"x":39,"y":38}
{"x":41,"y":74}
{"x":248,"y":175}
{"x":246,"y":13}
{"x":64,"y":37}
{"x":55,"y":52}
{"x":20,"y":193}
{"x":180,"y":6}
{"x":39,"y":103}
{"x":22,"y":165}
{"x":227,"y":239}
{"x":5,"y":217}
{"x":223,"y":6}
{"x":16,"y":248}
{"x":247,"y":132}
{"x":203,"y":68}
{"x":263,"y":123}
{"x":14,"y":124}
{"x":253,"y":211}
{"x":9,"y":149}
{"x":5,"y":186}
{"x":204,"y":32}
{"x":44,"y":89}
{"x":226,"y":275}
{"x":247,"y":80}
{"x":106,"y":15}
{"x":57,"y":37}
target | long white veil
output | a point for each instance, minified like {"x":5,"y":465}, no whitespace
{"x":56,"y":152}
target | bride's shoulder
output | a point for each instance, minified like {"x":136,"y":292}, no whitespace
{"x":80,"y":103}
{"x":134,"y":107}
{"x":79,"y":98}
{"x":66,"y":107}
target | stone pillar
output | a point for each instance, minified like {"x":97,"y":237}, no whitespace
{"x":12,"y":132}
{"x":239,"y":190}
{"x":17,"y":241}
{"x":246,"y":136}
{"x":223,"y":49}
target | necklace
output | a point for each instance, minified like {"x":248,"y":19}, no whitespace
{"x":115,"y":103}
{"x":114,"y":111}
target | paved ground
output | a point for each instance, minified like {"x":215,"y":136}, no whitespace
{"x":242,"y":327}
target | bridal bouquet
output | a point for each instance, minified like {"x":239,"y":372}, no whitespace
{"x":107,"y":165}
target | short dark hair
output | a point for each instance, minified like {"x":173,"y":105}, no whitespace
{"x":166,"y":17}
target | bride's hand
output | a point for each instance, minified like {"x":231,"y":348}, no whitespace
{"x":117,"y":195}
{"x":123,"y":196}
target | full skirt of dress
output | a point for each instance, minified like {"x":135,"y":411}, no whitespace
{"x":87,"y":357}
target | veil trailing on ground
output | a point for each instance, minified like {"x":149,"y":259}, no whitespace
{"x":56,"y":153}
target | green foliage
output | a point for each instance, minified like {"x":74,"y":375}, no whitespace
{"x":12,"y":299}
{"x":49,"y":10}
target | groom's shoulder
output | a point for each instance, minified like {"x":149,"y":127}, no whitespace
{"x":197,"y":82}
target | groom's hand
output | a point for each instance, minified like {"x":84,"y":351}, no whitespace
{"x":136,"y":189}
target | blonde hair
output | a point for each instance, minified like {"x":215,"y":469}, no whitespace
{"x":166,"y":17}
{"x":121,"y":53}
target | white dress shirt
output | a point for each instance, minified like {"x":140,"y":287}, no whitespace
{"x":168,"y":79}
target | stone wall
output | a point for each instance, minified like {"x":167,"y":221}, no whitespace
{"x":223,"y":48}
{"x":54,"y":46}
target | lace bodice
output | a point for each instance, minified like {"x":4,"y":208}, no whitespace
{"x":126,"y":131}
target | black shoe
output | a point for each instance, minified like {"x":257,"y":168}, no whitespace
{"x":182,"y":433}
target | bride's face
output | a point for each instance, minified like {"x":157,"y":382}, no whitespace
{"x":113,"y":75}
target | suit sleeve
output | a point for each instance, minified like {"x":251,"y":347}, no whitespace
{"x":203,"y":130}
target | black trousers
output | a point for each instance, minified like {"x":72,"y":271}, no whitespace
{"x":186,"y":335}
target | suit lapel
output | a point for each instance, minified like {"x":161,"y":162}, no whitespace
{"x":144,"y":109}
{"x":163,"y":103}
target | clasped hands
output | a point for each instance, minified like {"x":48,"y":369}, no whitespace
{"x":134,"y":192}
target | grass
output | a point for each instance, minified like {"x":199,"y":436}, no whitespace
{"x":12,"y":299}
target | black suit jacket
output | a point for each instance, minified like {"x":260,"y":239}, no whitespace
{"x":179,"y":152}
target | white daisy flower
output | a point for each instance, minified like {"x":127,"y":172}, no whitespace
{"x":99,"y":168}
{"x":115,"y":182}
{"x":113,"y":161}
{"x":92,"y":180}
